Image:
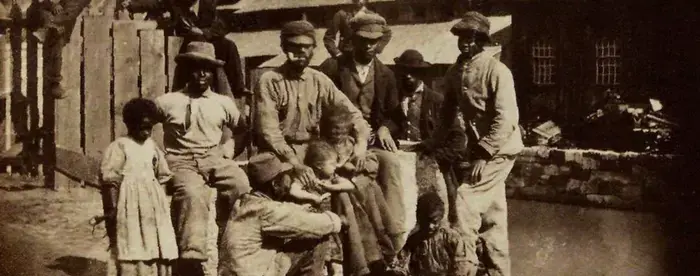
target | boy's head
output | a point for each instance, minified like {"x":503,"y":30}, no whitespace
{"x":268,"y":174}
{"x":322,"y":158}
{"x":430,"y":211}
{"x":336,"y":124}
{"x":139,"y":116}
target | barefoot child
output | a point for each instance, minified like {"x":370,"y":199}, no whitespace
{"x":432,"y":249}
{"x":140,"y":231}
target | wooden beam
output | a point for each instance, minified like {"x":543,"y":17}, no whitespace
{"x":98,"y":74}
{"x":126,"y":70}
{"x":174,"y":44}
{"x":153,"y":76}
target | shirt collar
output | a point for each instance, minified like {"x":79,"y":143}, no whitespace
{"x":206,"y":94}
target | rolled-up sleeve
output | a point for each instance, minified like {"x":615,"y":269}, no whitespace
{"x":289,"y":220}
{"x":505,"y":110}
{"x":232,"y":112}
{"x":267,"y":122}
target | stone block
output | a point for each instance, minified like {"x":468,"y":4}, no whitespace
{"x":607,"y":200}
{"x":573,"y":186}
{"x":557,"y":156}
{"x":631,"y":193}
{"x":589,"y":163}
{"x":589,"y":187}
{"x":515,"y":182}
{"x":580,"y":173}
{"x":551,"y":170}
{"x":536,"y":191}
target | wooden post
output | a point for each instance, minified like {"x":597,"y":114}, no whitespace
{"x":6,"y":73}
{"x":67,"y":120}
{"x":153,"y":77}
{"x":126,"y":70}
{"x":98,"y":73}
{"x":174,"y":44}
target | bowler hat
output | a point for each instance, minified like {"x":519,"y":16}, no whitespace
{"x":411,"y":59}
{"x":264,"y":167}
{"x":198,"y":51}
{"x":368,"y":25}
{"x":292,"y":31}
{"x":473,"y":21}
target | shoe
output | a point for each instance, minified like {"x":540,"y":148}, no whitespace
{"x":57,"y":91}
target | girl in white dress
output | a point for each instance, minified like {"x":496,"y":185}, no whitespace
{"x":138,"y":221}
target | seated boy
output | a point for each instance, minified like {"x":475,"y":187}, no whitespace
{"x":432,"y":249}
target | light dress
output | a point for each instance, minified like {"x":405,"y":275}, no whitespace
{"x":144,"y":227}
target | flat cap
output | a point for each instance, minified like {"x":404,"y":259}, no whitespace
{"x":369,"y":25}
{"x":291,"y":31}
{"x":472,"y":21}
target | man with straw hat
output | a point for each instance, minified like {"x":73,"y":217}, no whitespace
{"x":482,"y":88}
{"x":371,"y":87}
{"x":291,"y":100}
{"x":269,"y":237}
{"x":193,"y":121}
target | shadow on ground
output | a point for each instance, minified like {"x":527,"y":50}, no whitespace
{"x":79,"y":266}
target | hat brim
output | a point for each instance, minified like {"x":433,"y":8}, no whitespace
{"x":422,"y":65}
{"x":462,"y":27}
{"x":368,"y":34}
{"x":195,"y":57}
{"x":301,"y":40}
{"x":270,"y":175}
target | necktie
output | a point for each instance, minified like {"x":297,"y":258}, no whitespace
{"x":188,"y":115}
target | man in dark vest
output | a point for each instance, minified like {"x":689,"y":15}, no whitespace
{"x":371,"y":87}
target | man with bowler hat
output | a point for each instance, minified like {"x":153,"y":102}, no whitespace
{"x":371,"y":86}
{"x":193,"y":121}
{"x":482,"y":88}
{"x":419,"y":105}
{"x":291,"y":100}
{"x":269,"y":237}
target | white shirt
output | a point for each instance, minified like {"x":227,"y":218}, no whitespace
{"x":407,"y":100}
{"x":363,"y":70}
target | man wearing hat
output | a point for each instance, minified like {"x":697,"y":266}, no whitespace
{"x":341,"y":24}
{"x":291,"y":100}
{"x":371,"y":86}
{"x":482,"y":88}
{"x":419,"y":104}
{"x":193,"y":121}
{"x":269,"y":237}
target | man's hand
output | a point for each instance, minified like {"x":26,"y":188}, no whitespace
{"x":359,"y":154}
{"x":386,"y":140}
{"x":477,"y":170}
{"x":304,"y":173}
{"x":196,"y":31}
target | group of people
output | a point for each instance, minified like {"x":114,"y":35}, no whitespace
{"x":324,"y":192}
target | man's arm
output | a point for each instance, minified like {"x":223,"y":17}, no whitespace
{"x":329,"y":37}
{"x":292,"y":221}
{"x":233,"y":115}
{"x":505,"y":111}
{"x":391,"y":104}
{"x":267,"y":124}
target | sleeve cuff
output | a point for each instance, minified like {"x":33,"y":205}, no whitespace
{"x":335,"y":219}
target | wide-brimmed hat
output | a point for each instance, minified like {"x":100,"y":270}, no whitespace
{"x":198,"y":51}
{"x":368,"y":25}
{"x":411,"y":59}
{"x":293,"y":31}
{"x":472,"y":21}
{"x":264,"y":167}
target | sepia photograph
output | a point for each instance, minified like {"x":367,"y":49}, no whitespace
{"x":348,"y":138}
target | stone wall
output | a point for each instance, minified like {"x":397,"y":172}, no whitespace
{"x":590,"y":177}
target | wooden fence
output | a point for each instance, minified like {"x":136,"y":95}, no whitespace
{"x":106,"y":63}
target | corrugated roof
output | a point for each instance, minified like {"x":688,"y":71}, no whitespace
{"x":434,"y":41}
{"x":244,"y":6}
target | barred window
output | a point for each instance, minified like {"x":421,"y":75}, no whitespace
{"x":543,"y":58}
{"x":608,"y":62}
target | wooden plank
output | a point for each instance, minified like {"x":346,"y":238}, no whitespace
{"x":153,"y":77}
{"x":6,"y":73}
{"x":174,"y":44}
{"x":97,"y":50}
{"x":126,"y":70}
{"x":67,"y":111}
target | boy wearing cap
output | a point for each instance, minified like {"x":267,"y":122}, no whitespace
{"x":482,"y":88}
{"x":371,"y":87}
{"x":292,"y":99}
{"x":419,"y":104}
{"x":341,"y":24}
{"x":193,"y":121}
{"x":269,"y":237}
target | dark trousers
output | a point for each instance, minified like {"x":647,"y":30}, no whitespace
{"x":228,"y":79}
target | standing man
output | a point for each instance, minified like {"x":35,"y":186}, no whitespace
{"x":193,"y":120}
{"x":341,"y":24}
{"x":371,"y":87}
{"x":482,"y":88}
{"x":420,"y":105}
{"x":291,"y":100}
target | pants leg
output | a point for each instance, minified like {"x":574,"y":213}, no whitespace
{"x":389,"y":179}
{"x":307,"y":257}
{"x":190,"y":209}
{"x":482,"y":214}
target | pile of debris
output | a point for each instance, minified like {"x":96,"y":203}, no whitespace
{"x":615,"y":125}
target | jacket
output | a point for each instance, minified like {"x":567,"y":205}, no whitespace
{"x":483,"y":89}
{"x":386,"y":94}
{"x":341,"y":24}
{"x":429,"y":115}
{"x":254,"y":238}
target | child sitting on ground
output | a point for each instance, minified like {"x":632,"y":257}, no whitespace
{"x":136,"y":209}
{"x":432,"y":249}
